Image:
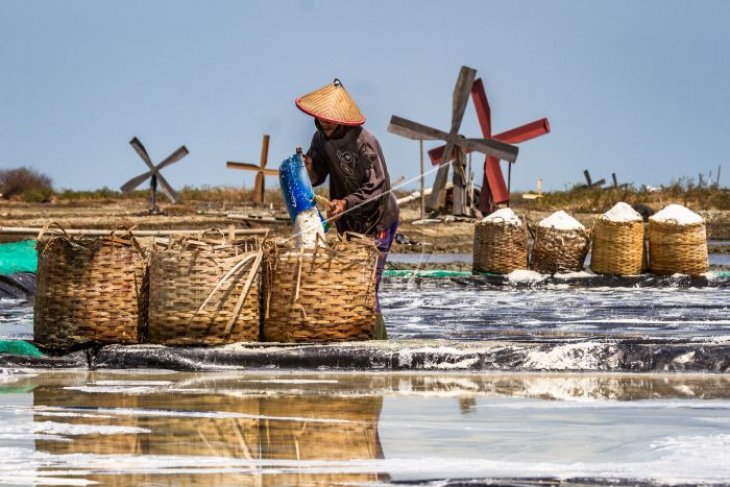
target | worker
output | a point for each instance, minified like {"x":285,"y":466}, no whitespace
{"x":360,"y":196}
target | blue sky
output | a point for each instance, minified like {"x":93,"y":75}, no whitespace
{"x":640,"y":88}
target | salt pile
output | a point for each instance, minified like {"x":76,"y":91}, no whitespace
{"x":561,"y":221}
{"x":505,"y":215}
{"x":678,"y":214}
{"x":307,"y":225}
{"x":622,"y":212}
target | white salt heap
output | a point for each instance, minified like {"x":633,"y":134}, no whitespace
{"x":561,"y":221}
{"x":622,"y":212}
{"x":677,"y":213}
{"x":307,"y":225}
{"x":505,"y":215}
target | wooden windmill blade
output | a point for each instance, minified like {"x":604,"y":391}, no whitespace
{"x":167,"y":189}
{"x":261,"y":170}
{"x":414,"y":130}
{"x":154,"y":173}
{"x":462,"y":90}
{"x":492,"y":147}
{"x":259,"y":185}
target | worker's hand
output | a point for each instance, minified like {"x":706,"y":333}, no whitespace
{"x":337,"y":207}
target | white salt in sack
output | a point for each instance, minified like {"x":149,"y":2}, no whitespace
{"x":622,"y":212}
{"x":561,"y":221}
{"x":678,"y":214}
{"x":505,"y":215}
{"x":307,"y":225}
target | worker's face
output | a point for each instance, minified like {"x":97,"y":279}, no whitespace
{"x":327,"y":127}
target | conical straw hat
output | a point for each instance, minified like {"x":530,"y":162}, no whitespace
{"x":331,"y":103}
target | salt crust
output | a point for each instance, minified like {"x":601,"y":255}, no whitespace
{"x":677,"y":213}
{"x":622,"y":212}
{"x":504,"y":215}
{"x":561,"y":221}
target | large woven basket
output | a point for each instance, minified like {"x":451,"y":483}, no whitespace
{"x":321,"y":294}
{"x":677,"y":248}
{"x":89,"y":290}
{"x":499,"y":247}
{"x":205,"y":292}
{"x":618,"y":247}
{"x":556,"y":250}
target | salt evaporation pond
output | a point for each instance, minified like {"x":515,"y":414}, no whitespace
{"x":273,"y":428}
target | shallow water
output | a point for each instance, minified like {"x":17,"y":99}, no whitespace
{"x":422,"y":259}
{"x":557,"y":310}
{"x":158,"y":427}
{"x":508,"y":312}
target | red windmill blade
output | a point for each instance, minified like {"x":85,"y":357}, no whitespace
{"x":494,"y":190}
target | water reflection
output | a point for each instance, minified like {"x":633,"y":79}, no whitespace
{"x":142,"y":428}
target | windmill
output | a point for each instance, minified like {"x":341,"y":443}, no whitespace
{"x":154,"y":174}
{"x":456,"y":145}
{"x":261,"y":170}
{"x":494,"y":190}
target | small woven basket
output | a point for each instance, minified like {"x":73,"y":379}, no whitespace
{"x":499,"y":247}
{"x":321,"y":294}
{"x":677,"y":248}
{"x":205,"y":293}
{"x":556,"y":250}
{"x":89,"y":290}
{"x":618,"y":247}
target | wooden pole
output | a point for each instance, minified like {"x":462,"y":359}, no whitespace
{"x":137,"y":233}
{"x":423,"y":182}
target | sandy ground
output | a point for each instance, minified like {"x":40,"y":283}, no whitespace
{"x":450,"y":237}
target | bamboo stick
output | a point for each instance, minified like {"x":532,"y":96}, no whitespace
{"x":136,"y":233}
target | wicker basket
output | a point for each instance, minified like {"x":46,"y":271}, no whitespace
{"x":556,"y":250}
{"x":677,"y":248}
{"x":618,"y":247}
{"x":205,"y":293}
{"x":499,"y":247}
{"x":89,"y":290}
{"x":321,"y":294}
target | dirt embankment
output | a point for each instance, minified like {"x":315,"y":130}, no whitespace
{"x":450,"y":237}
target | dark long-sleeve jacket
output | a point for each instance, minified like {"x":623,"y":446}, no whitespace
{"x":354,"y":162}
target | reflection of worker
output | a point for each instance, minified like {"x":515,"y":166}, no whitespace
{"x":359,"y":183}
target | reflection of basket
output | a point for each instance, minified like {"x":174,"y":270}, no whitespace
{"x":618,"y":247}
{"x":677,"y":248}
{"x":205,"y":293}
{"x":499,"y":247}
{"x":557,"y":250}
{"x":321,"y":294}
{"x":339,"y":429}
{"x":225,"y":426}
{"x":124,"y":443}
{"x":89,"y":290}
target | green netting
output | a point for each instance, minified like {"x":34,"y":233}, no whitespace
{"x":19,"y":347}
{"x":18,"y":257}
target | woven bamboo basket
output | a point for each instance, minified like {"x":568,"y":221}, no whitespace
{"x":618,"y":247}
{"x":205,"y":292}
{"x":677,"y":248}
{"x":89,"y":290}
{"x":321,"y":294}
{"x":499,"y":247}
{"x":555,"y":250}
